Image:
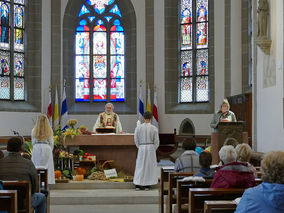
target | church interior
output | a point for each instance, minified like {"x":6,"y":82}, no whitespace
{"x":179,"y":59}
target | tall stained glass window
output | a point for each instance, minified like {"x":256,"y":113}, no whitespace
{"x":193,"y":72}
{"x":12,"y":73}
{"x":99,"y":70}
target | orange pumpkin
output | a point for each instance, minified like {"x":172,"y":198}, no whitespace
{"x":81,"y":171}
{"x":57,"y":174}
{"x":79,"y":177}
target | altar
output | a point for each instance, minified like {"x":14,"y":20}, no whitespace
{"x":118,"y":147}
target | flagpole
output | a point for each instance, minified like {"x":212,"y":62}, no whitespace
{"x":64,"y":110}
{"x":140,"y":103}
{"x":155,"y":120}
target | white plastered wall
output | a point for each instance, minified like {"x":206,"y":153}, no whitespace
{"x":270,"y":132}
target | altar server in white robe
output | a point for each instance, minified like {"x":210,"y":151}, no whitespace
{"x":146,"y":138}
{"x":42,"y":141}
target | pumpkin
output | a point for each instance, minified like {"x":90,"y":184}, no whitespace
{"x":81,"y":171}
{"x":79,"y":177}
{"x":57,"y":174}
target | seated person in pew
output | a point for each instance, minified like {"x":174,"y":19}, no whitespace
{"x":243,"y":155}
{"x":230,"y":141}
{"x":232,"y":174}
{"x":269,"y":195}
{"x":205,"y":160}
{"x":15,"y":167}
{"x":189,"y":160}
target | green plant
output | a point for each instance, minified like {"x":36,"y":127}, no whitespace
{"x":57,"y":136}
{"x":70,"y":132}
{"x":28,"y":147}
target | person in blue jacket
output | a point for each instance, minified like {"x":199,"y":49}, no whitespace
{"x":268,"y":196}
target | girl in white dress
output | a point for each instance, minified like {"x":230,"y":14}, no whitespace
{"x":42,"y":140}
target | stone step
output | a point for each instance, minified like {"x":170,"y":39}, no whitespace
{"x":103,"y":197}
{"x":93,"y":184}
{"x":137,"y":208}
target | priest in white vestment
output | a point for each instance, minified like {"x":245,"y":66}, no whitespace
{"x":108,"y":119}
{"x":146,"y":138}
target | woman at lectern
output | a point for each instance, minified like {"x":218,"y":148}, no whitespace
{"x":223,"y":115}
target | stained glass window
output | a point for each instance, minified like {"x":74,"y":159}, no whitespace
{"x":100,"y":49}
{"x":194,"y":72}
{"x":12,"y":81}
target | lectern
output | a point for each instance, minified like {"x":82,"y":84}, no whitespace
{"x":225,"y":130}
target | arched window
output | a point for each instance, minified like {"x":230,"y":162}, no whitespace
{"x":99,"y":52}
{"x":12,"y":82}
{"x":193,"y":49}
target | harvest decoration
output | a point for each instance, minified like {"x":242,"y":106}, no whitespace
{"x":57,"y":174}
{"x":81,"y":171}
{"x":72,"y":132}
{"x":71,"y":123}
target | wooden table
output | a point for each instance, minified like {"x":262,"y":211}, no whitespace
{"x":118,"y":147}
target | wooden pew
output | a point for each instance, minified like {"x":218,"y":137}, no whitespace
{"x":212,"y":206}
{"x":182,"y":192}
{"x":43,"y":178}
{"x":197,"y":196}
{"x":24,"y":193}
{"x":164,"y":186}
{"x":173,"y":177}
{"x":168,"y":145}
{"x":43,"y":184}
{"x":8,"y":201}
{"x":202,"y":141}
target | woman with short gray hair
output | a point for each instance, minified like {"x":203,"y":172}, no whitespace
{"x":268,"y":196}
{"x":227,"y":154}
{"x":232,"y":174}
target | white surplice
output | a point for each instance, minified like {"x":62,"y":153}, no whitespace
{"x":146,"y":138}
{"x":42,"y":156}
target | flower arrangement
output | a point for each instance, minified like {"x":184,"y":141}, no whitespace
{"x":71,"y":131}
{"x":71,"y":123}
{"x":57,"y":138}
{"x":84,"y":130}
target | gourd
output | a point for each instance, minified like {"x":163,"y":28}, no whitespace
{"x":79,"y":177}
{"x":81,"y":171}
{"x":57,"y":174}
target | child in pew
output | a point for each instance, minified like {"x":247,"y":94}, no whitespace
{"x":205,"y":160}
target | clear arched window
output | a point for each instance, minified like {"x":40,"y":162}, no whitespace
{"x":99,"y":69}
{"x":12,"y":82}
{"x":193,"y":48}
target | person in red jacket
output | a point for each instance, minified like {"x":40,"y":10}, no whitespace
{"x":232,"y":174}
